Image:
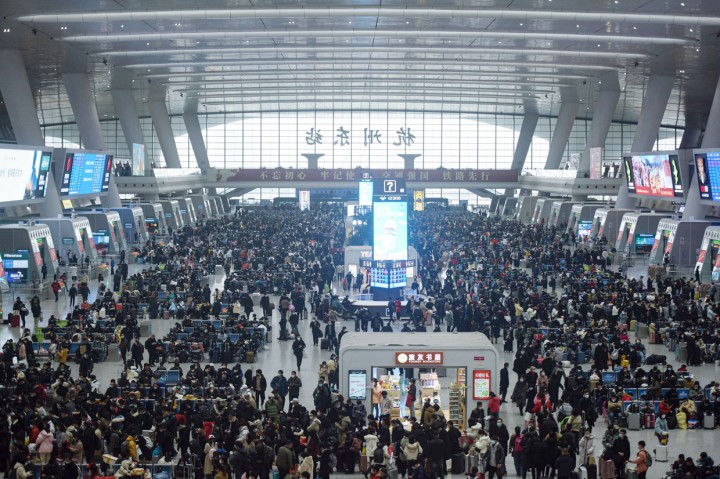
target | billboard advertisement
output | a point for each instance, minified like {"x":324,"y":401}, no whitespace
{"x":390,"y":230}
{"x":23,"y":174}
{"x":653,"y":174}
{"x":138,"y":159}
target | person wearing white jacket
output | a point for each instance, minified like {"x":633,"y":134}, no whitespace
{"x":586,"y":448}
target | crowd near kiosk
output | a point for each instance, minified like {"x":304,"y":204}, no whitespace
{"x":452,"y":370}
{"x":581,"y":219}
{"x":201,"y":205}
{"x":670,"y":233}
{"x":606,"y":222}
{"x":636,"y":235}
{"x":187,"y":211}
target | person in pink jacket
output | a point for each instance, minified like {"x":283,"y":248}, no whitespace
{"x":44,"y":443}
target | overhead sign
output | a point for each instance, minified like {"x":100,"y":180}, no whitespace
{"x":354,"y":175}
{"x":418,"y":358}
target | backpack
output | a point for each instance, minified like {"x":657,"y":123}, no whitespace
{"x":378,"y":456}
{"x":518,"y":444}
{"x":648,"y":458}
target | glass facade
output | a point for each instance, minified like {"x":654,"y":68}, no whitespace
{"x":362,"y":138}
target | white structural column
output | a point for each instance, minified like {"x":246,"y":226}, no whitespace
{"x":192,"y":125}
{"x":604,"y":110}
{"x":569,"y":104}
{"x":711,"y":139}
{"x":655,"y":102}
{"x":82,"y":101}
{"x":527,"y":131}
{"x":18,"y":99}
{"x":126,"y":111}
{"x":163,"y":128}
{"x":602,"y":119}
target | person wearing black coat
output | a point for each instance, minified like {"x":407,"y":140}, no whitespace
{"x":504,"y":382}
{"x":621,"y":450}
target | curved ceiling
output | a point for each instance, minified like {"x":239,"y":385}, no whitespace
{"x":454,"y":55}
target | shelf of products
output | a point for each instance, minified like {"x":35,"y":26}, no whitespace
{"x":456,"y":406}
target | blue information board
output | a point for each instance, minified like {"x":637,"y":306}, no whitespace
{"x":86,"y":174}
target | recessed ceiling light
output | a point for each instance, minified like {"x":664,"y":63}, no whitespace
{"x":408,"y":23}
{"x":598,"y":44}
{"x":521,"y":24}
{"x":577,"y":26}
{"x":122,"y":26}
{"x":691,"y":30}
{"x":349,"y":21}
{"x":634,"y":28}
{"x":682,"y":4}
{"x":6,"y":30}
{"x":148,"y":44}
{"x":682,"y":71}
{"x":148,"y":69}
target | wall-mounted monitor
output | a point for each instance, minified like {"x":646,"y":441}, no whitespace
{"x":707,"y":168}
{"x":23,"y":173}
{"x":390,"y":230}
{"x":653,"y":174}
{"x":85,"y":173}
{"x":138,"y":159}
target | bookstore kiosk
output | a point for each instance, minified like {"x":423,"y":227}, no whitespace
{"x":451,"y":370}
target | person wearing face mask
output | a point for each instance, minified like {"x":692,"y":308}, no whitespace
{"x":495,"y":459}
{"x":519,"y":394}
{"x":322,"y":396}
{"x":500,"y":431}
{"x":586,"y":448}
{"x":621,"y":450}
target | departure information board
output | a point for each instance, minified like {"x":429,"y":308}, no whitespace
{"x":86,"y":173}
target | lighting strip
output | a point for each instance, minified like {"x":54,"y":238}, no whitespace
{"x":234,"y":35}
{"x":424,"y":91}
{"x":398,"y":49}
{"x":439,"y":72}
{"x":379,"y":81}
{"x":366,"y":61}
{"x":245,"y":90}
{"x":367,"y":11}
{"x":371,"y":99}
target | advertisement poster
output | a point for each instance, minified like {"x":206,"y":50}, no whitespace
{"x":481,"y":384}
{"x":23,"y":174}
{"x":138,"y":159}
{"x":357,"y":384}
{"x":304,"y":200}
{"x":390,"y":230}
{"x":657,"y":175}
{"x":419,"y":200}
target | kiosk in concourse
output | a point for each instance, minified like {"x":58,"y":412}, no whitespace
{"x":187,"y":211}
{"x":154,"y":219}
{"x":31,"y":245}
{"x":526,"y":208}
{"x":508,"y":209}
{"x":685,"y":233}
{"x":452,"y":370}
{"x":133,"y":221}
{"x":171,"y":212}
{"x":606,"y":222}
{"x":108,"y":232}
{"x":542,"y":210}
{"x":581,"y":218}
{"x":214,"y":210}
{"x":560,"y":212}
{"x":708,"y":260}
{"x":201,"y":205}
{"x":73,"y":235}
{"x":637,"y":232}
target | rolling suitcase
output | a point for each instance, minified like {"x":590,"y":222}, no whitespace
{"x":660,"y":454}
{"x":166,"y":314}
{"x":709,"y":421}
{"x":607,"y":469}
{"x":249,"y":357}
{"x":392,"y":471}
{"x":14,"y":320}
{"x":324,"y":344}
{"x":631,"y":472}
{"x":649,"y":421}
{"x":633,"y":420}
{"x":458,"y":463}
{"x":581,"y":473}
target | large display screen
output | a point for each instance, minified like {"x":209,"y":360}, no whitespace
{"x":86,"y":173}
{"x":656,"y":174}
{"x":365,"y":193}
{"x":16,"y":267}
{"x":584,"y":228}
{"x":23,"y":174}
{"x":138,"y":159}
{"x":390,"y":230}
{"x":707,"y":167}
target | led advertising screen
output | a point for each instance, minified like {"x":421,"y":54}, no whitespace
{"x":16,"y":267}
{"x":365,"y":193}
{"x":584,"y":228}
{"x":357,"y":384}
{"x":138,"y":159}
{"x":707,"y":168}
{"x":85,"y":173}
{"x":390,"y":230}
{"x":654,"y":174}
{"x":23,"y":174}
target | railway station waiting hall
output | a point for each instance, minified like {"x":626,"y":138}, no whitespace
{"x":285,"y":240}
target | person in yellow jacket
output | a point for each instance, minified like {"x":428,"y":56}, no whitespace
{"x":131,"y":448}
{"x":63,"y":354}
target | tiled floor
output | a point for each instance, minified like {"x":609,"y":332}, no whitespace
{"x":279,"y":356}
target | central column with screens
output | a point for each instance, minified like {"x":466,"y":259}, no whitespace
{"x":388,"y":273}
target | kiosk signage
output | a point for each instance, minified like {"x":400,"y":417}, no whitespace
{"x":418,"y":358}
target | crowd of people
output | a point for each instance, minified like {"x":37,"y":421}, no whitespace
{"x":561,"y":309}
